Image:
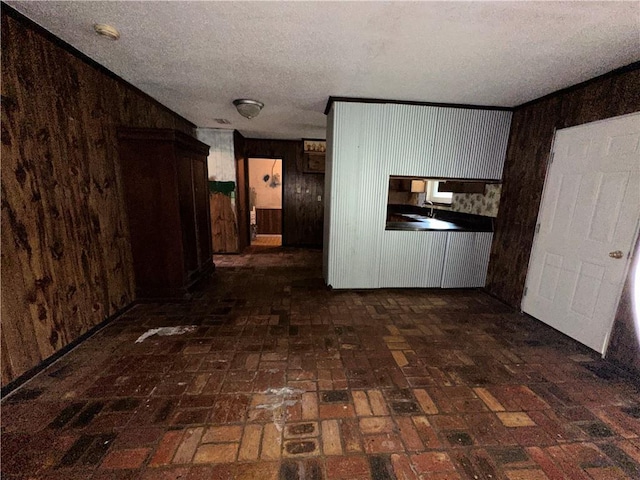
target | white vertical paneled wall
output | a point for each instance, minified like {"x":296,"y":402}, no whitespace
{"x":367,"y":143}
{"x":328,"y":175}
{"x":221,"y":162}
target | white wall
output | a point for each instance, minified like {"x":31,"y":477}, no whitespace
{"x":370,"y":142}
{"x":266,"y":196}
{"x":221,"y":162}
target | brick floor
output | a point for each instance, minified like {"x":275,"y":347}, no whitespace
{"x":282,"y":378}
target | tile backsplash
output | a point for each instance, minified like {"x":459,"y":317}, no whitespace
{"x":479,"y":204}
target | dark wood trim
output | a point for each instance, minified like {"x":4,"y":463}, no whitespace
{"x":613,"y":73}
{"x":164,"y":135}
{"x":242,"y":200}
{"x":29,"y":374}
{"x":449,"y":179}
{"x":30,"y":24}
{"x":333,"y":99}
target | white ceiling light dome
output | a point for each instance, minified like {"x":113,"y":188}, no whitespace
{"x":248,"y":108}
{"x":106,"y":30}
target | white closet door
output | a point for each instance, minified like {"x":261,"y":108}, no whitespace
{"x":587,"y":227}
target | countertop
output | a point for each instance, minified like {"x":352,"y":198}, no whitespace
{"x":412,"y":218}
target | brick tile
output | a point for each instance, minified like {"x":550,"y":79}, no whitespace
{"x":170,"y":473}
{"x":347,"y":468}
{"x":187,"y":448}
{"x":336,"y":411}
{"x":166,"y":448}
{"x":515,"y":419}
{"x":302,"y":446}
{"x":381,"y":467}
{"x":510,"y":455}
{"x":402,"y":467}
{"x":457,"y":439}
{"x":301,"y":469}
{"x":250,"y":445}
{"x":331,"y":444}
{"x":197,"y":384}
{"x":210,"y":472}
{"x":350,"y":434}
{"x":399,"y":357}
{"x":309,"y":406}
{"x":432,"y":462}
{"x":409,"y":434}
{"x":448,"y":422}
{"x":622,"y":459}
{"x":271,"y":443}
{"x":526,"y":474}
{"x":606,"y":473}
{"x":216,"y":453}
{"x":301,"y":430}
{"x":130,"y":458}
{"x":633,"y":451}
{"x":361,"y":403}
{"x":565,"y":463}
{"x":377,"y":402}
{"x":374,"y":425}
{"x":226,"y":434}
{"x":426,"y":432}
{"x":190,"y":416}
{"x":383,"y":443}
{"x":251,"y":471}
{"x":489,"y":400}
{"x":139,"y":437}
{"x":425,"y":401}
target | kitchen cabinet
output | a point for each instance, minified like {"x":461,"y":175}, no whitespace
{"x":434,"y":259}
{"x":466,"y":259}
{"x":164,"y":176}
{"x":412,"y":259}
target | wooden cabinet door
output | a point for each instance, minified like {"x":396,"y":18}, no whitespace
{"x":201,"y":206}
{"x":187,"y":213}
{"x":149,"y":186}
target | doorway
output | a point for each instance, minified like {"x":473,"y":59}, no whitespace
{"x":587,"y":226}
{"x":265,"y":201}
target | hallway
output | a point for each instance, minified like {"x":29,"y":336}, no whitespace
{"x":274,"y":376}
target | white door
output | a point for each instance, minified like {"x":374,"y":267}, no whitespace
{"x":587,"y":226}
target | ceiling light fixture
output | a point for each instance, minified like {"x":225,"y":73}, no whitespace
{"x":248,"y":108}
{"x":106,"y":31}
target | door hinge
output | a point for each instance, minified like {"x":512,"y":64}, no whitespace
{"x":526,"y":289}
{"x":553,"y":154}
{"x":537,"y":228}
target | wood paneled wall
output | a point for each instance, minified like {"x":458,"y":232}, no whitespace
{"x":269,"y":221}
{"x":66,"y":261}
{"x":532,"y":131}
{"x":303,"y":214}
{"x":242,"y":198}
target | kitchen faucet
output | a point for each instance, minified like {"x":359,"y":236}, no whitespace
{"x":428,"y":202}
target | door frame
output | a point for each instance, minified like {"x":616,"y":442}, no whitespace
{"x":247,"y":188}
{"x":628,"y":260}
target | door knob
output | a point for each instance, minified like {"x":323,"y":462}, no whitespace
{"x":616,"y":254}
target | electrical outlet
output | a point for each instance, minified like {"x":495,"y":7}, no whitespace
{"x":298,"y":189}
{"x":319,"y":198}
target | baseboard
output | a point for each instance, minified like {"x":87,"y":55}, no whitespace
{"x":29,"y":374}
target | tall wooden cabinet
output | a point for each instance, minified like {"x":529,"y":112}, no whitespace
{"x":164,"y":173}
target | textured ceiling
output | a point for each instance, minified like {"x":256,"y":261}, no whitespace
{"x":197,"y":57}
